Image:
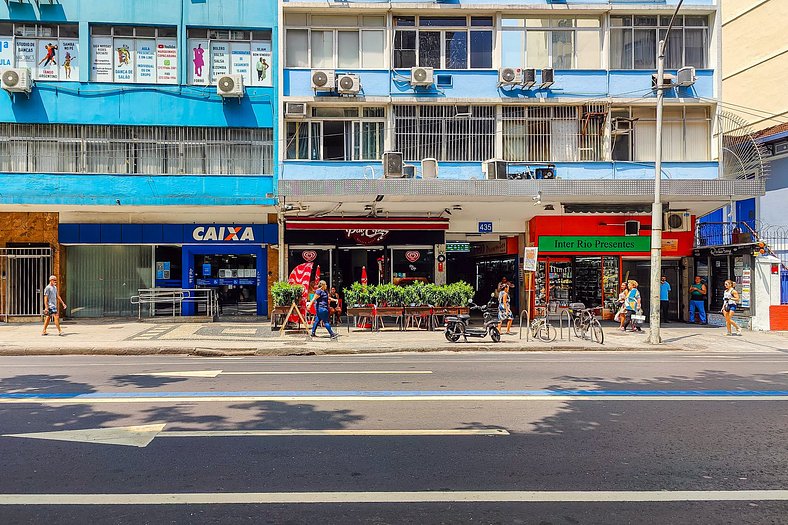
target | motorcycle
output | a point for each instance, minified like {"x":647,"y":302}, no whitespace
{"x":457,"y":325}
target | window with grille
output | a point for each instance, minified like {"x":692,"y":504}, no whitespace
{"x":634,"y":41}
{"x":447,"y":133}
{"x":50,"y":52}
{"x":553,"y":133}
{"x":686,"y":134}
{"x":337,"y":133}
{"x":61,"y":148}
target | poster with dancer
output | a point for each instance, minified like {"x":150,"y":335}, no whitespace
{"x":47,"y":66}
{"x":101,"y":67}
{"x":262,"y":64}
{"x":167,"y":61}
{"x":125,"y":51}
{"x":145,"y":66}
{"x":199,"y":67}
{"x":68,"y":60}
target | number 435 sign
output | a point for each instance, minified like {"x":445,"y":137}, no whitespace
{"x":485,"y":227}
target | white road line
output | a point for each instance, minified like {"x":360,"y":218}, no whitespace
{"x":324,"y":372}
{"x":184,"y":373}
{"x":237,"y":498}
{"x":456,"y":399}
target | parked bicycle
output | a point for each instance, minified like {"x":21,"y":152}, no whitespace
{"x":585,"y":323}
{"x":542,"y":329}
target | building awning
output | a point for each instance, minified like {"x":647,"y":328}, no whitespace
{"x":365,"y":223}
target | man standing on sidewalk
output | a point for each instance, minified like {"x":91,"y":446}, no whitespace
{"x":51,"y":300}
{"x":664,"y":299}
{"x":697,"y":301}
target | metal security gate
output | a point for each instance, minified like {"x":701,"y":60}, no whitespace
{"x":25,"y":273}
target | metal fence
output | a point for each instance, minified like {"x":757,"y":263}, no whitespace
{"x":170,"y":301}
{"x":784,"y":287}
{"x":25,"y":273}
{"x":148,"y":150}
{"x":724,"y":233}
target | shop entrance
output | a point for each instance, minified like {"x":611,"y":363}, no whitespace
{"x":353,"y":259}
{"x":640,"y":270}
{"x":234,"y":277}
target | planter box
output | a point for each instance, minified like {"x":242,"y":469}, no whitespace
{"x":389,"y":311}
{"x":450,"y":310}
{"x":418,"y":310}
{"x":360,"y":311}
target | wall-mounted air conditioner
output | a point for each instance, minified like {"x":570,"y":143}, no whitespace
{"x":494,"y":169}
{"x":508,"y":76}
{"x":668,"y":81}
{"x":685,"y":77}
{"x":548,"y":78}
{"x":392,"y":164}
{"x":295,"y":109}
{"x":323,"y":80}
{"x":422,"y":76}
{"x":529,"y":77}
{"x":230,"y":86}
{"x":677,"y":221}
{"x":429,"y":168}
{"x":16,"y":80}
{"x":348,"y":84}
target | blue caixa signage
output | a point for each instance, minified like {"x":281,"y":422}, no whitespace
{"x":167,"y":233}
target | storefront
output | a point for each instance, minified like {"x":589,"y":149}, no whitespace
{"x":484,"y":264}
{"x":398,"y":251}
{"x":718,"y":264}
{"x":586,"y":258}
{"x":108,"y":263}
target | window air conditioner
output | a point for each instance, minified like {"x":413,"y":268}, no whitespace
{"x":230,"y":86}
{"x":685,"y":77}
{"x":429,"y":168}
{"x":631,"y":228}
{"x":529,"y":77}
{"x":548,"y":78}
{"x":323,"y":80}
{"x":508,"y":76}
{"x":17,"y":80}
{"x":295,"y":109}
{"x":494,"y":169}
{"x":667,"y":81}
{"x":392,"y":164}
{"x":421,"y":76}
{"x":348,"y":84}
{"x":621,"y":126}
{"x":677,"y":221}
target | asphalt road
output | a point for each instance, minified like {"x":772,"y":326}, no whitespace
{"x":543,"y":438}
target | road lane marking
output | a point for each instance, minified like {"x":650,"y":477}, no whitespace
{"x":215,"y":373}
{"x":141,"y":435}
{"x":395,"y":395}
{"x":184,"y":373}
{"x":476,"y":496}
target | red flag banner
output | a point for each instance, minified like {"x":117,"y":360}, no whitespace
{"x":301,"y":274}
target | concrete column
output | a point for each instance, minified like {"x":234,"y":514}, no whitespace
{"x":765,"y":291}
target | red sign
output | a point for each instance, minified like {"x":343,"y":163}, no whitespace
{"x":412,"y":255}
{"x":367,"y":236}
{"x":309,"y":255}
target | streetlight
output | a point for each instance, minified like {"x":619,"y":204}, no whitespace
{"x":656,"y":208}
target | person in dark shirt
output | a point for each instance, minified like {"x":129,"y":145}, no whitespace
{"x":320,"y":299}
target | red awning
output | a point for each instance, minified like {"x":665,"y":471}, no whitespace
{"x":336,"y":223}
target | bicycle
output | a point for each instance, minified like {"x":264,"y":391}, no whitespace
{"x":542,"y":329}
{"x":585,"y":323}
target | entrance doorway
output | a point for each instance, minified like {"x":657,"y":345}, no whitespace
{"x":234,"y":277}
{"x":640,"y":270}
{"x":352,"y":259}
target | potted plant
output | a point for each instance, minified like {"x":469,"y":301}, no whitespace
{"x":388,"y":300}
{"x":359,"y":300}
{"x":284,"y":295}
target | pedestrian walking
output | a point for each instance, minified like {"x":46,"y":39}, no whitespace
{"x":320,"y":300}
{"x":730,"y":299}
{"x":633,"y":306}
{"x":621,"y":312}
{"x":664,"y":299}
{"x":504,"y":309}
{"x":51,"y":300}
{"x":698,"y":300}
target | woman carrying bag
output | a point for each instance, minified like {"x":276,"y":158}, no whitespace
{"x":632,"y":306}
{"x":730,"y":300}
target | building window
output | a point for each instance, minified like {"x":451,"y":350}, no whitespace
{"x":149,"y":150}
{"x":141,"y":55}
{"x":334,"y":41}
{"x":337,"y":133}
{"x":446,"y":133}
{"x":553,"y":133}
{"x":217,"y":52}
{"x":634,"y":41}
{"x":685,"y":134}
{"x":559,"y":43}
{"x":443,"y":42}
{"x":50,"y":52}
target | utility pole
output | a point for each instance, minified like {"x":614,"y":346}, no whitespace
{"x":655,"y":284}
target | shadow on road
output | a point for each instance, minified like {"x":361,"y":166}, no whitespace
{"x":143,"y":381}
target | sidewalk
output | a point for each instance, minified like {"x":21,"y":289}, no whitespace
{"x":129,"y":337}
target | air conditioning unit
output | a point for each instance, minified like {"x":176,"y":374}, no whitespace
{"x":409,"y":171}
{"x":295,"y":109}
{"x":667,"y":81}
{"x":429,"y":168}
{"x":685,"y":77}
{"x":494,"y":169}
{"x":677,"y":221}
{"x":17,"y":80}
{"x":548,"y":78}
{"x":529,"y":77}
{"x":392,"y":164}
{"x":422,"y":76}
{"x":230,"y":86}
{"x":631,"y":228}
{"x":545,"y":173}
{"x":508,"y":76}
{"x":348,"y":84}
{"x":621,"y":126}
{"x":324,"y":80}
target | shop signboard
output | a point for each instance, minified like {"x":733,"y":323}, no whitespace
{"x":458,"y":247}
{"x":529,"y":258}
{"x":746,"y":292}
{"x":594,"y":244}
{"x":366,"y":236}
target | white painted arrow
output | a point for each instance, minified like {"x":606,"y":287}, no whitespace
{"x":185,"y":373}
{"x":215,"y":373}
{"x":142,"y":435}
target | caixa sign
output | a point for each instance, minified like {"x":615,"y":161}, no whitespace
{"x":223,"y":233}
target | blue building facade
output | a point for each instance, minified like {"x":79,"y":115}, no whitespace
{"x":123,"y":133}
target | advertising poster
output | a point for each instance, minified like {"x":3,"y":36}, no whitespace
{"x":146,"y":61}
{"x":167,"y":61}
{"x":68,"y":60}
{"x":124,"y":50}
{"x":746,"y":291}
{"x":6,"y":52}
{"x":220,"y":60}
{"x":529,"y":259}
{"x":262,"y":64}
{"x":102,"y":67}
{"x":241,"y":61}
{"x":26,"y":54}
{"x":199,"y":67}
{"x":47,"y":63}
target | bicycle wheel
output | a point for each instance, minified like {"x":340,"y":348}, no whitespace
{"x":577,"y":325}
{"x":495,"y":335}
{"x":547,"y":332}
{"x":596,"y":332}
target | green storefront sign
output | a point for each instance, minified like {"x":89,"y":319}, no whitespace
{"x":604,"y":244}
